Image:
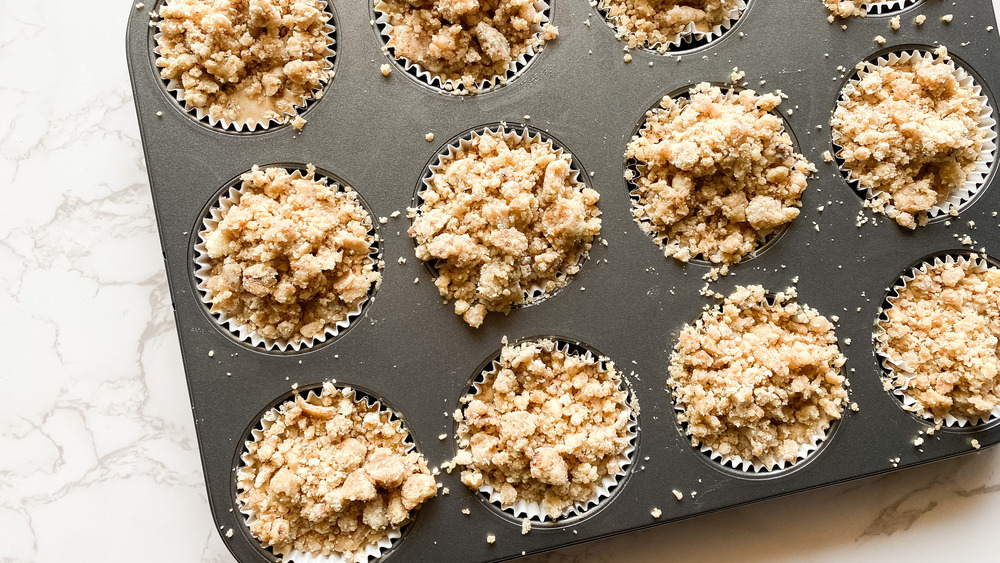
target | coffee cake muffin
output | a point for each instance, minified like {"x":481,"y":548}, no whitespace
{"x":941,"y":338}
{"x":656,"y":24}
{"x":288,"y":258}
{"x":909,"y":134}
{"x":331,"y":475}
{"x":546,"y":427}
{"x":716,"y":175}
{"x":757,"y":383}
{"x":245,"y":62}
{"x":503,"y":215}
{"x":464,"y":44}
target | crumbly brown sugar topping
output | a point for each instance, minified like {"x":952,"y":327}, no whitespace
{"x":757,"y":381}
{"x":504,"y":215}
{"x":910,"y":134}
{"x":545,"y":427}
{"x":846,"y":8}
{"x":942,"y":334}
{"x":331,"y":476}
{"x":464,"y":41}
{"x":717,"y":174}
{"x":245,"y":61}
{"x":291,"y":258}
{"x":656,"y":23}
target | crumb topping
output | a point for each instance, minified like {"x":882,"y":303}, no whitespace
{"x":291,"y":258}
{"x":757,"y":381}
{"x":717,"y":174}
{"x":502,"y":216}
{"x":465,"y":41}
{"x":846,"y":8}
{"x":545,"y":427}
{"x":942,"y":335}
{"x":657,"y":23}
{"x":245,"y":61}
{"x":910,"y":134}
{"x":331,"y":475}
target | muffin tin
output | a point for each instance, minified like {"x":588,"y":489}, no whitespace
{"x":417,"y":357}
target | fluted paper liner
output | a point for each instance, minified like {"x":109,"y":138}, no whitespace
{"x":534,"y":510}
{"x":688,"y":34}
{"x":534,"y":293}
{"x":976,"y":180}
{"x":373,"y":552}
{"x":175,"y":88}
{"x":242,"y":331}
{"x":887,"y":7}
{"x":897,"y":374}
{"x":635,"y":169}
{"x":514,"y":69}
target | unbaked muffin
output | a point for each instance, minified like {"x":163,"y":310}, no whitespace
{"x":910,"y":134}
{"x":331,"y":474}
{"x":503,"y":215}
{"x":546,"y":427}
{"x":941,"y":338}
{"x":755,"y":382}
{"x":716,"y":174}
{"x":290,"y":259}
{"x":245,"y":62}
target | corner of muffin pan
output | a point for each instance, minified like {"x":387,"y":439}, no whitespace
{"x":629,"y":166}
{"x":535,"y":296}
{"x":936,"y":215}
{"x":687,"y":43}
{"x":883,"y":366}
{"x":360,"y":392}
{"x":591,"y":508}
{"x":178,"y":105}
{"x":194,"y":240}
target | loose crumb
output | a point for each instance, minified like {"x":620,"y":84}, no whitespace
{"x":894,"y":23}
{"x":975,"y":444}
{"x":385,"y":69}
{"x":429,"y":137}
{"x":677,"y":494}
{"x":545,"y":427}
{"x":331,"y":475}
{"x":920,"y":19}
{"x":504,"y":215}
{"x":525,"y":526}
{"x":491,"y":539}
{"x":880,"y":40}
{"x":755,"y":381}
{"x":656,"y":513}
{"x":628,"y":57}
{"x":717,"y":174}
{"x":947,"y":18}
{"x":229,"y":533}
{"x":917,"y":442}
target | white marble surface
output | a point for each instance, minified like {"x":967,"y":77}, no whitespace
{"x":98,"y":459}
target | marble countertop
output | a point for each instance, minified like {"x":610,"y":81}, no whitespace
{"x":99,"y":460}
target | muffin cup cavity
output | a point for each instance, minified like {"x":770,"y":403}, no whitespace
{"x":688,"y":39}
{"x":175,"y":89}
{"x":535,"y":293}
{"x":229,"y":197}
{"x":963,"y":197}
{"x":423,"y":76}
{"x":897,"y":375}
{"x":888,"y":7}
{"x":534,"y":511}
{"x":373,"y":552}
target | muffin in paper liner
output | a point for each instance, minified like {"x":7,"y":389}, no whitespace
{"x":514,"y":69}
{"x":230,"y":197}
{"x":964,"y":196}
{"x":535,"y":293}
{"x":634,"y":169}
{"x":373,"y":552}
{"x":691,"y":37}
{"x":533,"y":511}
{"x":896,"y":374}
{"x":249,"y":125}
{"x":757,"y":466}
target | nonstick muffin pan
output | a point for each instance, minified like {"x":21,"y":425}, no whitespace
{"x":628,"y":302}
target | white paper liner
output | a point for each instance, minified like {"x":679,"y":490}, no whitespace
{"x":243,"y":331}
{"x":887,"y":6}
{"x":897,"y":374}
{"x":175,"y":88}
{"x":962,"y":197}
{"x":687,"y":35}
{"x":642,"y":218}
{"x":535,"y":293}
{"x":373,"y":552}
{"x":534,"y":510}
{"x":514,"y":69}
